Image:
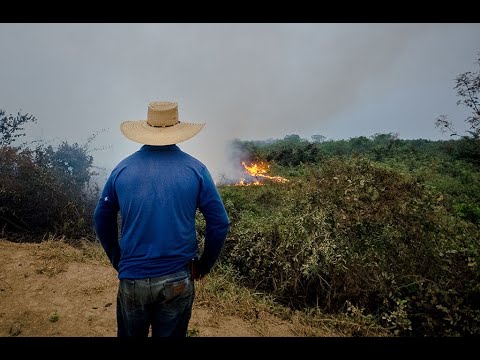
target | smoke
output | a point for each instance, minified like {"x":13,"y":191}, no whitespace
{"x":285,"y":79}
{"x":232,"y":170}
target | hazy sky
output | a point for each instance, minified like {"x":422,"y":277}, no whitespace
{"x":248,"y":81}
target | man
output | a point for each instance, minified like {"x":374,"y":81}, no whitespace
{"x":157,"y":191}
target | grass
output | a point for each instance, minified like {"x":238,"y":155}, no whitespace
{"x":53,"y":317}
{"x":222,"y":291}
{"x":193,"y":332}
{"x":56,"y":253}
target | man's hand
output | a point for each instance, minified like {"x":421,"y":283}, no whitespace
{"x":195,"y":274}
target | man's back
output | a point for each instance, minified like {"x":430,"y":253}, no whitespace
{"x":157,"y":190}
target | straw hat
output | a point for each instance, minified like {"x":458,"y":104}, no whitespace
{"x":162,"y":126}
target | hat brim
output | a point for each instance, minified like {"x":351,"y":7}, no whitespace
{"x":139,"y":131}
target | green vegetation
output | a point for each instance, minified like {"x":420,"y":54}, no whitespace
{"x":383,"y":226}
{"x":445,"y":167}
{"x":53,"y":317}
{"x":192,"y":332}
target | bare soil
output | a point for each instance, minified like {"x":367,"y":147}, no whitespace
{"x":45,"y":294}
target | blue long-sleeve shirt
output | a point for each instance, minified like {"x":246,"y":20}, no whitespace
{"x":157,"y":191}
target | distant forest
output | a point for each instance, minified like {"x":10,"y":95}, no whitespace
{"x":449,"y":167}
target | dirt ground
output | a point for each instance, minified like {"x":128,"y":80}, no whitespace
{"x":41,"y":296}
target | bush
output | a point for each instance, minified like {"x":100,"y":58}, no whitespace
{"x":354,"y":232}
{"x":44,"y":190}
{"x":35,"y":198}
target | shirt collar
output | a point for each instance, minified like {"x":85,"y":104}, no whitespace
{"x":160,"y":148}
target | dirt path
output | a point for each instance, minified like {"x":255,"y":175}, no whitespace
{"x":42,"y":294}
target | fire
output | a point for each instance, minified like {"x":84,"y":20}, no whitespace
{"x":258,"y":171}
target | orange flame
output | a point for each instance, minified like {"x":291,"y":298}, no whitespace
{"x":257,"y":171}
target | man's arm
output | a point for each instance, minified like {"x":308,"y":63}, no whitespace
{"x":105,"y":221}
{"x":217,"y":224}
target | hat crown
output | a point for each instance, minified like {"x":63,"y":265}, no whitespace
{"x":162,"y":114}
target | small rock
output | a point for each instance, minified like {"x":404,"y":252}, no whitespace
{"x":108,"y":304}
{"x":15,"y":329}
{"x":95,"y":308}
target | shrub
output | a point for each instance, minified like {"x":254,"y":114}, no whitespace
{"x":354,"y":232}
{"x":44,"y":190}
{"x":35,"y":199}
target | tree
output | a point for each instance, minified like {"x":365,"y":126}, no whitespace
{"x":318,"y":138}
{"x":293,"y":139}
{"x":467,"y":86}
{"x":11,"y":126}
{"x":73,"y":163}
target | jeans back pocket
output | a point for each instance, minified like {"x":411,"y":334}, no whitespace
{"x":178,"y":288}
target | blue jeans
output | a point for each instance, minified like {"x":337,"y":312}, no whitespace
{"x":163,"y":302}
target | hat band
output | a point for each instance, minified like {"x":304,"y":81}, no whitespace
{"x":164,"y":126}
